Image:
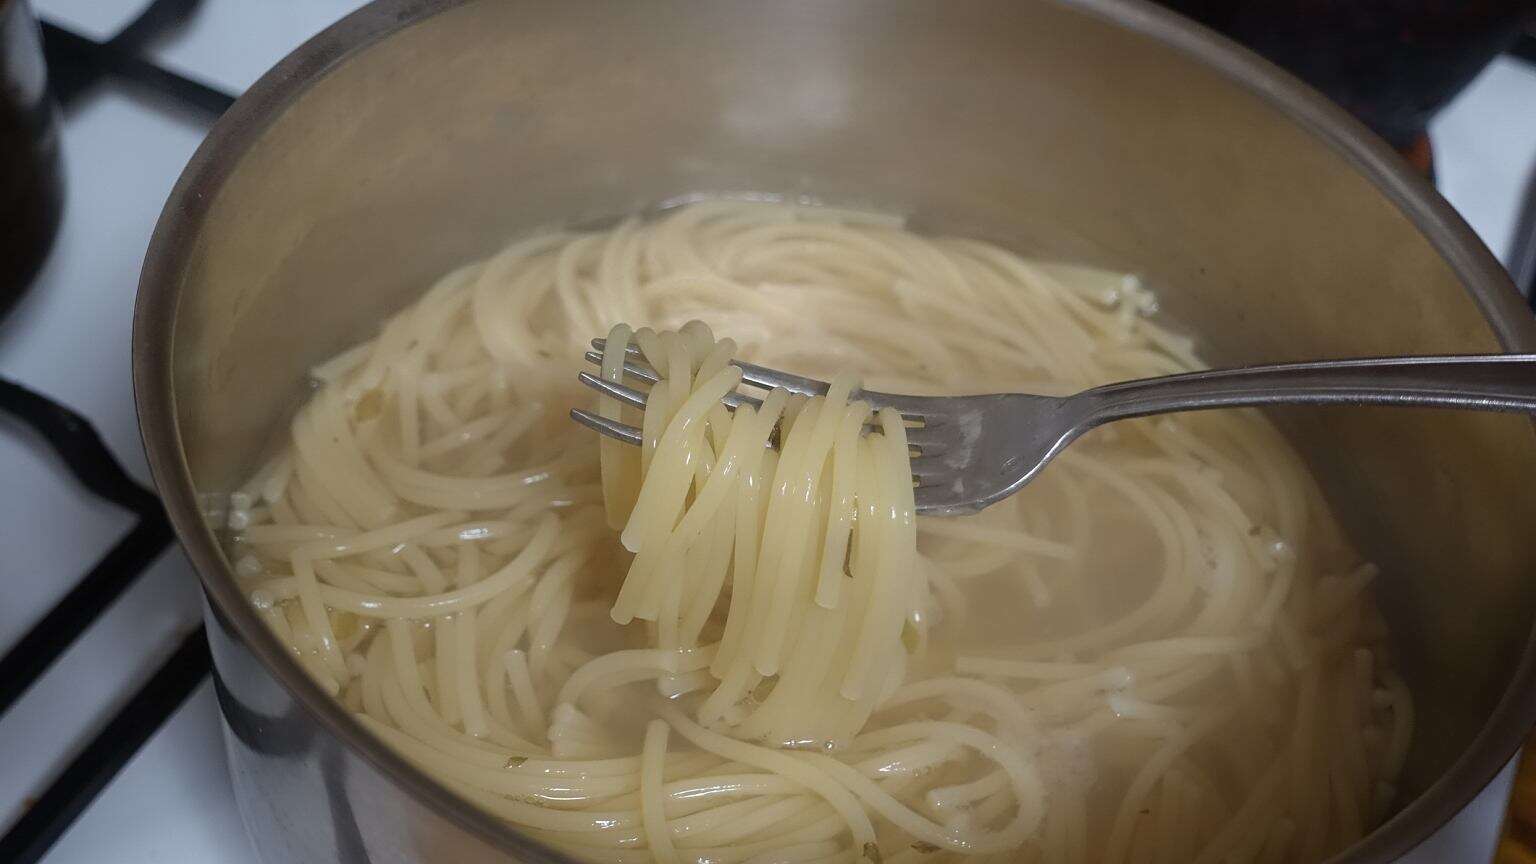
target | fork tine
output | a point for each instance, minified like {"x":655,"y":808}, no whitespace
{"x":734,"y":400}
{"x":638,"y":370}
{"x":770,"y":378}
{"x":925,"y":466}
{"x":910,"y":407}
{"x":630,"y":395}
{"x":925,"y":469}
{"x":925,"y":448}
{"x":612,"y":428}
{"x":758,"y":376}
{"x":627,"y":395}
{"x":630,"y":350}
{"x":927,"y":435}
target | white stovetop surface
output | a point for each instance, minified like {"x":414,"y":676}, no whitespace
{"x":69,"y":340}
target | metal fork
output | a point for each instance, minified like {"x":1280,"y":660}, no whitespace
{"x":973,"y":451}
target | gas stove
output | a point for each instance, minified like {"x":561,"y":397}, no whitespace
{"x":110,"y":746}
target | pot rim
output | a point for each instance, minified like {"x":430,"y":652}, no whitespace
{"x":175,"y":234}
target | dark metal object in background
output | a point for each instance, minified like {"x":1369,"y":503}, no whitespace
{"x":1525,"y":47}
{"x":31,"y":179}
{"x":1522,"y":251}
{"x":1392,"y":63}
{"x":31,"y":91}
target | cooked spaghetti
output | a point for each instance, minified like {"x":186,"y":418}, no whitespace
{"x":708,"y":649}
{"x":796,"y":658}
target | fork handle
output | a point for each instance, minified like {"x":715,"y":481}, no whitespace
{"x":1479,"y":382}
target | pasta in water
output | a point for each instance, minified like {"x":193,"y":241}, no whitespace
{"x":737,"y":643}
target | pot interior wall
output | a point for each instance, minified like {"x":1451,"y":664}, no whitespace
{"x":1023,"y":123}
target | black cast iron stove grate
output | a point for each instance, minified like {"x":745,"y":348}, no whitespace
{"x":76,"y":65}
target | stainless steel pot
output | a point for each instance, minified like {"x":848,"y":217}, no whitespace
{"x":415,"y":135}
